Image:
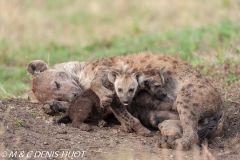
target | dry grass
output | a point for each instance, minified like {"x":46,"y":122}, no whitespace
{"x":4,"y":93}
{"x":83,"y":22}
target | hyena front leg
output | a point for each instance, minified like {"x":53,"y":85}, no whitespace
{"x":97,"y":85}
{"x":189,"y":117}
{"x":190,"y":136}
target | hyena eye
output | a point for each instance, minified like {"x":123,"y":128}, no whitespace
{"x":119,"y":89}
{"x":157,"y":85}
{"x":57,"y":85}
{"x":131,"y":90}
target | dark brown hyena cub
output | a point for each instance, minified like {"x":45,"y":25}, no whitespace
{"x":152,"y":104}
{"x":85,"y":107}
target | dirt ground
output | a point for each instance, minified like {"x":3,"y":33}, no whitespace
{"x":26,"y":132}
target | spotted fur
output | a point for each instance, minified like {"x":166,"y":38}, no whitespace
{"x":182,"y":82}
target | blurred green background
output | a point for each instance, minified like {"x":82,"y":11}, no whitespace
{"x":204,"y":33}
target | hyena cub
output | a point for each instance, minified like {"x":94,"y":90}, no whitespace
{"x":152,"y":105}
{"x":86,"y":106}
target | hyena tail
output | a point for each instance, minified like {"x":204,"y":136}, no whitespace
{"x":65,"y":120}
{"x":210,"y":126}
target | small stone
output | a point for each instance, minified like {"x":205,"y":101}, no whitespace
{"x":62,"y":124}
{"x":45,"y":143}
{"x":115,"y":131}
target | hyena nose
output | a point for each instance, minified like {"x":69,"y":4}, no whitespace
{"x":74,"y":95}
{"x":163,"y":95}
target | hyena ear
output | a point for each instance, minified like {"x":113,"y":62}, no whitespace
{"x":161,"y":74}
{"x":36,"y":66}
{"x":139,"y":76}
{"x":146,"y":82}
{"x":162,"y":70}
{"x":112,"y":76}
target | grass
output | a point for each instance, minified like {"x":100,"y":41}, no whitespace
{"x":83,"y":31}
{"x":32,"y":112}
{"x":19,"y":122}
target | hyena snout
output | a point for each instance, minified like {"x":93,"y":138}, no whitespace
{"x":162,"y":94}
{"x":67,"y":94}
{"x":125,"y":100}
{"x":65,"y":97}
{"x":72,"y":95}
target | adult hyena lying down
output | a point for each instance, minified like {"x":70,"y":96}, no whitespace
{"x":194,"y":97}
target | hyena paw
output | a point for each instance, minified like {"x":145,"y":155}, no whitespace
{"x":85,"y":127}
{"x":106,"y":98}
{"x":50,"y":107}
{"x":105,"y":102}
{"x":145,"y":132}
{"x":181,"y":144}
{"x":166,"y":141}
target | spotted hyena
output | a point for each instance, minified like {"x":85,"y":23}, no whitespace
{"x":194,"y":98}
